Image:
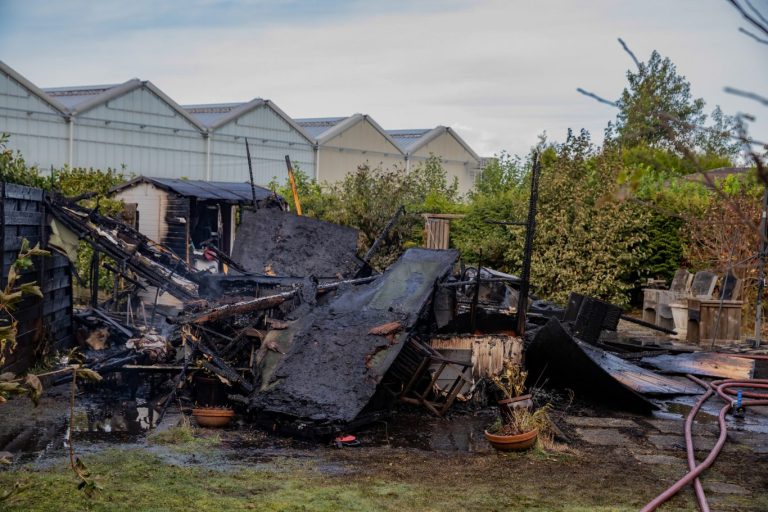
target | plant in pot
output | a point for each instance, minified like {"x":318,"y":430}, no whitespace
{"x":212,"y":417}
{"x":210,"y":394}
{"x":521,"y":431}
{"x":511,"y":383}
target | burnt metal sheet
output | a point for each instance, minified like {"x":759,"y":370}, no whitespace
{"x":271,"y":241}
{"x":556,"y":356}
{"x":639,"y":379}
{"x":708,"y":364}
{"x":207,"y":190}
{"x":590,"y":316}
{"x":332,"y":364}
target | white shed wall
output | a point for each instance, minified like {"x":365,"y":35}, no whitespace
{"x":151,"y":204}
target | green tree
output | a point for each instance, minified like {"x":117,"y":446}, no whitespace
{"x":587,"y":240}
{"x":502,"y":173}
{"x":657,"y":108}
{"x":367,"y":198}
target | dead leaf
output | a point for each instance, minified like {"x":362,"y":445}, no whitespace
{"x":88,"y":374}
{"x":97,"y":340}
{"x":35,"y":387}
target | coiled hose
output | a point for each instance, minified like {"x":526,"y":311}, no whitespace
{"x":725,"y":389}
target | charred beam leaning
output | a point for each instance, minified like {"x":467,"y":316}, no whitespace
{"x":250,"y":172}
{"x":294,"y":190}
{"x":530,"y":230}
{"x":384,"y":232}
{"x":248,"y":306}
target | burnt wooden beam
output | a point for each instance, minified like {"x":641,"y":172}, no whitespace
{"x":220,"y":367}
{"x":260,"y":303}
{"x":649,"y":325}
{"x":383,"y":235}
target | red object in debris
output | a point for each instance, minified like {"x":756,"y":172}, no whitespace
{"x":346,"y":440}
{"x":209,"y":254}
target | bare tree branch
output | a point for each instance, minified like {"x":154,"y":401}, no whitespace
{"x":756,"y":22}
{"x":753,"y":36}
{"x":757,"y":12}
{"x":747,"y":94}
{"x":631,"y":54}
{"x":598,"y":98}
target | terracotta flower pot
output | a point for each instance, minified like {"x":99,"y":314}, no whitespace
{"x":212,"y":417}
{"x":514,"y":443}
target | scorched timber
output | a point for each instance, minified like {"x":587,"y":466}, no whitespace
{"x":333,"y":364}
{"x":709,"y":364}
{"x":260,"y":303}
{"x":555,"y":355}
{"x":109,"y":240}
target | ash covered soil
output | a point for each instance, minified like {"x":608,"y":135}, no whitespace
{"x":410,"y":462}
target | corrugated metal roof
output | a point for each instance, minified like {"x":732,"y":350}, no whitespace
{"x":210,"y":114}
{"x":315,"y":126}
{"x":406,"y":138}
{"x":70,"y":97}
{"x":217,"y":190}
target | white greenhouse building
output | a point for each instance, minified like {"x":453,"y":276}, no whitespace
{"x":135,"y":127}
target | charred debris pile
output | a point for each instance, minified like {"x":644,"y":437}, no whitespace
{"x":301,"y":335}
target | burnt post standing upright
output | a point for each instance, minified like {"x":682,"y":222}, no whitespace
{"x":530,"y":231}
{"x":250,"y":172}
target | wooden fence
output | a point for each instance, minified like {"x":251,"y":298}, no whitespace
{"x":43,"y":325}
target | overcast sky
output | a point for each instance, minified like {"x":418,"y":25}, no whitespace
{"x":498,"y":71}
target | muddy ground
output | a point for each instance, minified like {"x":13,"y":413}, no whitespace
{"x":613,"y":461}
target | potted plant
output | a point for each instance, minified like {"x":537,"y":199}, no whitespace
{"x":212,"y":417}
{"x":511,"y":383}
{"x":520,"y":432}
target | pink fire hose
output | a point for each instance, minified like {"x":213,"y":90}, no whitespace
{"x":725,"y":389}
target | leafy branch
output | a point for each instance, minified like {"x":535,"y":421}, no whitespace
{"x":11,"y":295}
{"x":87,"y":484}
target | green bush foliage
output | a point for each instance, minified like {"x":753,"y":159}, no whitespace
{"x":13,"y":168}
{"x":367,"y":198}
{"x":70,"y":182}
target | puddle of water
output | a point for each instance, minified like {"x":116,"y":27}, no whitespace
{"x":133,"y":417}
{"x":755,"y":420}
{"x":411,"y":430}
{"x":115,"y":412}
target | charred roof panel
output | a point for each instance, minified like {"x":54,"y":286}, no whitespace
{"x":283,"y":243}
{"x":334,"y":363}
{"x":213,"y":190}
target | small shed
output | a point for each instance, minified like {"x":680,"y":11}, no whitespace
{"x":183,"y":214}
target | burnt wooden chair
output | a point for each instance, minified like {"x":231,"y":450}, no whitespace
{"x":420,"y":366}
